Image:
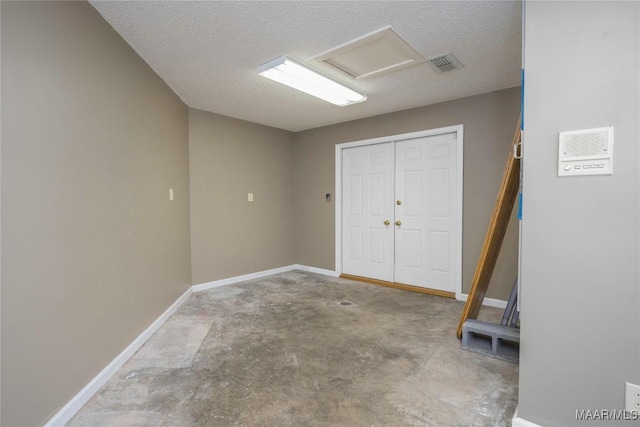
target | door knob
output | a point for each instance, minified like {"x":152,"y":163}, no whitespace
{"x":398,"y":222}
{"x":398,"y":202}
{"x":387,"y":222}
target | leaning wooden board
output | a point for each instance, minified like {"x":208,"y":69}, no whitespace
{"x":495,"y":235}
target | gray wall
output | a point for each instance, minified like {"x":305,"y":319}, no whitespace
{"x":93,"y":250}
{"x":489,"y":123}
{"x":230,"y":158}
{"x":580,"y":293}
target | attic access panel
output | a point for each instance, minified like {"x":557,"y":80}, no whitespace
{"x":381,"y":52}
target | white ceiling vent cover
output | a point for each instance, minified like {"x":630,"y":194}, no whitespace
{"x":586,"y":152}
{"x":372,"y":55}
{"x":445,"y":62}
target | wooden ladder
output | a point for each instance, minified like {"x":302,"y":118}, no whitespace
{"x":495,"y":234}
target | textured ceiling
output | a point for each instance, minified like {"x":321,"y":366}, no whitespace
{"x":208,"y":51}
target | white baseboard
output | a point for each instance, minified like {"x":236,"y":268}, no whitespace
{"x":244,"y":277}
{"x":331,"y":273}
{"x":489,"y":302}
{"x":260,"y":274}
{"x":519,"y":422}
{"x":78,"y":401}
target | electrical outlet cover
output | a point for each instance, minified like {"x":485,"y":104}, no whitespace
{"x":632,"y":397}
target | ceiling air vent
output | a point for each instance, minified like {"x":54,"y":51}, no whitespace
{"x":445,"y":62}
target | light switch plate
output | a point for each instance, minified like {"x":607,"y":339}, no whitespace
{"x":250,"y":197}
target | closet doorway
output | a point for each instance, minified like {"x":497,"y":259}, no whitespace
{"x":399,"y":209}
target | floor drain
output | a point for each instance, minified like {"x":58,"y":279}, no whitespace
{"x":345,"y":302}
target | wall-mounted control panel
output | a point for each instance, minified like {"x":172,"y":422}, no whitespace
{"x":586,"y":152}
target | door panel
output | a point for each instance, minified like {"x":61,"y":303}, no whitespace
{"x":367,"y":203}
{"x":439,"y":191}
{"x":354,"y":236}
{"x":354,"y":190}
{"x":438,"y":251}
{"x":411,"y":249}
{"x":425,"y":187}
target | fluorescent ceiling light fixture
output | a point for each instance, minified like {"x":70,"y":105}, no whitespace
{"x":290,"y":73}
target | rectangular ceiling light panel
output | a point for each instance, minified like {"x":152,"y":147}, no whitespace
{"x":372,"y":55}
{"x":284,"y":70}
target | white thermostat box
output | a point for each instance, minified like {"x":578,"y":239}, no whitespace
{"x":586,"y":152}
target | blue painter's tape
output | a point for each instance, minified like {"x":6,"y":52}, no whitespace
{"x":520,"y":206}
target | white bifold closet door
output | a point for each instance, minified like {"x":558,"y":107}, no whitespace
{"x":367,"y":181}
{"x":411,"y":184}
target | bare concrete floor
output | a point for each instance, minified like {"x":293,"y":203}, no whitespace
{"x":283,"y":351}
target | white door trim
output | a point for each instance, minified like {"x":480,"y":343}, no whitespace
{"x":459,"y":130}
